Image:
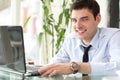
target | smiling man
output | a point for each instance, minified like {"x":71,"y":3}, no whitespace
{"x":89,"y":49}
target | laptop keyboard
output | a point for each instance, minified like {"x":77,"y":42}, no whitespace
{"x":32,"y":68}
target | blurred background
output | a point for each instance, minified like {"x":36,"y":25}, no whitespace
{"x":16,"y":12}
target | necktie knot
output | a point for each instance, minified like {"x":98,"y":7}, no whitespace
{"x":86,"y":49}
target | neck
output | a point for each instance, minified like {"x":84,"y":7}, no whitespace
{"x":86,"y":42}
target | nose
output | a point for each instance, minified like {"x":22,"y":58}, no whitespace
{"x":78,"y":24}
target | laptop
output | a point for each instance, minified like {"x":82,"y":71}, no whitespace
{"x":15,"y":34}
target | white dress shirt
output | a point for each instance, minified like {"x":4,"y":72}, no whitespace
{"x":104,"y":55}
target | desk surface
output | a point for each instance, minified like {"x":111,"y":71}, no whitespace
{"x":95,"y":77}
{"x":6,"y":74}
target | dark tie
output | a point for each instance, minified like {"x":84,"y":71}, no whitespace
{"x":85,"y":56}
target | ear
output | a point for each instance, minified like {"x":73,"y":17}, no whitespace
{"x":98,"y":18}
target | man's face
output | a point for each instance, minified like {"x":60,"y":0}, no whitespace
{"x":84,"y":24}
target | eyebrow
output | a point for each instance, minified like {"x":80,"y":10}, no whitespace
{"x":84,"y":17}
{"x":81,"y":17}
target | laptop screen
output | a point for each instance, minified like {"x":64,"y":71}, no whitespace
{"x":5,"y":47}
{"x":17,"y":44}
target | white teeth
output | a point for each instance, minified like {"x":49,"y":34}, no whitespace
{"x":81,"y":31}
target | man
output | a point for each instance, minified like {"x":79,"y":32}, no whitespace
{"x":104,"y":53}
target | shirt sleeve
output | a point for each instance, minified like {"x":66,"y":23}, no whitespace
{"x":111,"y":67}
{"x":108,"y":68}
{"x":62,"y":56}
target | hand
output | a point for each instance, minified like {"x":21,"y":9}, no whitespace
{"x":54,"y":69}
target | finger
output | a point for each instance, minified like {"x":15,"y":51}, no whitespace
{"x":45,"y":68}
{"x":46,"y":73}
{"x":53,"y":73}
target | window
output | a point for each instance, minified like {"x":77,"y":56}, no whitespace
{"x":114,"y":13}
{"x":16,"y":14}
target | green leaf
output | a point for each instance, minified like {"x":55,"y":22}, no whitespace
{"x":50,"y":20}
{"x":40,"y":36}
{"x":51,"y":0}
{"x":60,"y":18}
{"x":46,"y":11}
{"x":73,"y":0}
{"x":67,"y":16}
{"x":47,"y":30}
{"x":56,"y":28}
{"x":60,"y":39}
{"x":26,"y":22}
{"x":64,"y":3}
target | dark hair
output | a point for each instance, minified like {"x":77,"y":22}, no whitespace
{"x":92,"y":5}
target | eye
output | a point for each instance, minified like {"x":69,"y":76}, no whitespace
{"x":84,"y":19}
{"x":74,"y":20}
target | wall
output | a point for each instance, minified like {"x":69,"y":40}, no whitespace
{"x":104,"y":13}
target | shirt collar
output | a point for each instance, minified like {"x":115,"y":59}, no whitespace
{"x":94,"y":41}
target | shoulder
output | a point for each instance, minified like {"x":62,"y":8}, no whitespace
{"x":108,"y":31}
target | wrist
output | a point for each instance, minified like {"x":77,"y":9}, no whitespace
{"x":74,"y":67}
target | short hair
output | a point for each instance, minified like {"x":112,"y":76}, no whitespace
{"x":92,"y":5}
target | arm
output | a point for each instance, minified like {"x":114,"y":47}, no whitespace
{"x":110,"y":66}
{"x":99,"y":64}
{"x":84,"y":68}
{"x":63,"y":68}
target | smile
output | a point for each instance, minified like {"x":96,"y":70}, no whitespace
{"x":81,"y":31}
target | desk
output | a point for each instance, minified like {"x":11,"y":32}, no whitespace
{"x":77,"y":78}
{"x":6,"y":74}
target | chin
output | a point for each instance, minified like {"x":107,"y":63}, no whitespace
{"x":80,"y":36}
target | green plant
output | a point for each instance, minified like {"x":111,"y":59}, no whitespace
{"x":26,"y":22}
{"x":55,"y":28}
